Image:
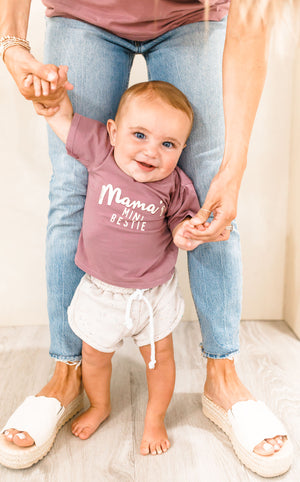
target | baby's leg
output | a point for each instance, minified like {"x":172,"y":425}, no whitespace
{"x":96,"y":374}
{"x":161,"y":381}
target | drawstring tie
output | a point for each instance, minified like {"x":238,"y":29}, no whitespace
{"x":139,"y":295}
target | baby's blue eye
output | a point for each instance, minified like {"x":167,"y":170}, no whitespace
{"x":168,"y":144}
{"x":139,"y":135}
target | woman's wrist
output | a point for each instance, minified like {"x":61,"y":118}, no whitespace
{"x":235,"y":159}
{"x":232,"y":171}
{"x":10,"y":41}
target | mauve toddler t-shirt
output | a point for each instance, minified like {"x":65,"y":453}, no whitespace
{"x":126,"y":237}
{"x":138,"y":20}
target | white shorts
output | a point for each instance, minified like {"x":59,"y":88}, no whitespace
{"x":97,"y":313}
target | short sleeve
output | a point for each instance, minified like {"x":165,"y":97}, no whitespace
{"x":88,"y":141}
{"x":184,"y":201}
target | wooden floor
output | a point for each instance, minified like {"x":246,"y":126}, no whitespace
{"x":269,"y":364}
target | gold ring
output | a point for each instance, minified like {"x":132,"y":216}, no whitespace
{"x":206,"y":210}
{"x":229,"y":228}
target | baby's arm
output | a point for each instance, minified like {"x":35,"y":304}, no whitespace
{"x":59,"y":118}
{"x":181,"y":236}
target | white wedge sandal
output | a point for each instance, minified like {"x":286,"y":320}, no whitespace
{"x":247,"y":424}
{"x":41,"y":418}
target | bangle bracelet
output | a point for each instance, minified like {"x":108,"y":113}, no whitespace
{"x":7,"y":41}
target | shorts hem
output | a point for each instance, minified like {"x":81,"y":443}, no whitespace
{"x":163,"y":334}
{"x":86,"y":340}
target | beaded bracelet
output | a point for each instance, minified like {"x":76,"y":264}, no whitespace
{"x":7,"y":41}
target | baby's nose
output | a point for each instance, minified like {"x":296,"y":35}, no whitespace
{"x":151,"y":151}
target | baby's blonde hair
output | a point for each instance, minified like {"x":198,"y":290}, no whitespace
{"x":157,"y":89}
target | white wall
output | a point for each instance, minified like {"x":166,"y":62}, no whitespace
{"x":292,"y":278}
{"x":25,"y":172}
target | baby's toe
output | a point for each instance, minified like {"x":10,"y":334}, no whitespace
{"x":158,"y":448}
{"x":144,"y":448}
{"x":76,"y":429}
{"x":165,"y":445}
{"x":85,"y":433}
{"x":153,"y":448}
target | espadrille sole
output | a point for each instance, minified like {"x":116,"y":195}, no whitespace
{"x":265,"y":466}
{"x":15,"y":457}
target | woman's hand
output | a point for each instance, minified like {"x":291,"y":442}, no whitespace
{"x":221,"y":201}
{"x":36,"y":81}
{"x":42,"y":106}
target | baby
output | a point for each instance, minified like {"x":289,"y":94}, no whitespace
{"x":138,"y":208}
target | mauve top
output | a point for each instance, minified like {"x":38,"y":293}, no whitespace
{"x":126,"y":237}
{"x":138,"y":20}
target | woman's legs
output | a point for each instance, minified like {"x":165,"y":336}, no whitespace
{"x":190,"y":57}
{"x":99,"y":66}
{"x":99,"y":69}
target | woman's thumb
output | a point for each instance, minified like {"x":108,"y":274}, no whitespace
{"x":201,"y":216}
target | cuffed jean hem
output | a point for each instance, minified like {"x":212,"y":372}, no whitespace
{"x":66,"y":359}
{"x":229,"y":356}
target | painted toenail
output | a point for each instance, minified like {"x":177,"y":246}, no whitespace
{"x":267,"y":447}
{"x":21,"y":436}
{"x":10,"y":436}
{"x":6,"y":432}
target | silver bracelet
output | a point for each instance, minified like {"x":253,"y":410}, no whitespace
{"x":7,"y":41}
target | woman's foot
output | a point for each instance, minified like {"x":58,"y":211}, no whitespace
{"x":87,"y":423}
{"x":224,"y":388}
{"x":65,"y":385}
{"x":155,"y":439}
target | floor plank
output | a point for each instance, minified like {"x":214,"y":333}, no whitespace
{"x":269,"y":364}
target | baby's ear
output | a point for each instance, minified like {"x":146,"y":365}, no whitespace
{"x":112,"y":131}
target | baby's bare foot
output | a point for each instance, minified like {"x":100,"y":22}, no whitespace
{"x":87,"y":423}
{"x":155,"y":438}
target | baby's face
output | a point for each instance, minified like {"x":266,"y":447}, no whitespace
{"x":148,"y":138}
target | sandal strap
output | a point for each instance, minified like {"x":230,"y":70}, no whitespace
{"x":37,"y":416}
{"x":252,"y":422}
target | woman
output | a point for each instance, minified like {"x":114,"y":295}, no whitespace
{"x":98,"y":41}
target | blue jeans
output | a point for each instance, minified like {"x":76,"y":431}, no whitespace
{"x":189,"y":57}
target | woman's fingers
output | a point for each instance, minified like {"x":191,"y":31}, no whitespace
{"x":209,"y":231}
{"x":28,"y":81}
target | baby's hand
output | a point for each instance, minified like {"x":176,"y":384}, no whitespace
{"x":183,"y":235}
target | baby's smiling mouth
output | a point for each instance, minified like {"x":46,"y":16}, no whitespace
{"x":145,"y":166}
